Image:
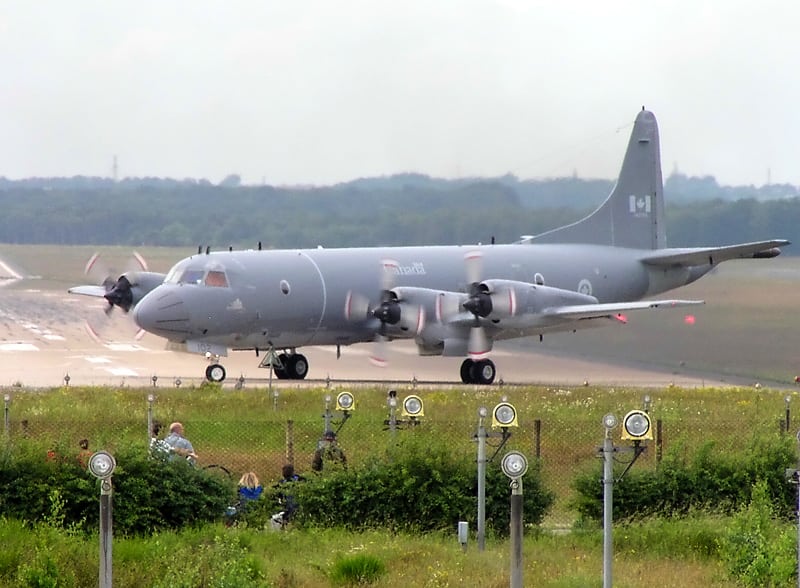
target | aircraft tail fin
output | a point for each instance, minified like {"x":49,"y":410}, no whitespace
{"x":633,"y":214}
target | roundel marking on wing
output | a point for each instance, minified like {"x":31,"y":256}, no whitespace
{"x":585,"y":287}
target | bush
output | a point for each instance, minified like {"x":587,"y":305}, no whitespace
{"x":712,"y":482}
{"x":416,"y":486}
{"x":755,"y":550}
{"x":149,"y":494}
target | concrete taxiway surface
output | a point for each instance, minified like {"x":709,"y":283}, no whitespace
{"x":44,"y":339}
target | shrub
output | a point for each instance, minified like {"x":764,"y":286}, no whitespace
{"x":148,"y":494}
{"x":713,"y":481}
{"x":416,"y":486}
{"x":757,"y":552}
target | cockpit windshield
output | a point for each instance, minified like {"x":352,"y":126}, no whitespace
{"x":196,"y":276}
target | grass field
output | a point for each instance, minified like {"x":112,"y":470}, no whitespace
{"x":246,"y":429}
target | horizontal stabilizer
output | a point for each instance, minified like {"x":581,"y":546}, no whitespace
{"x":98,"y":291}
{"x":694,"y":256}
{"x":589,"y":311}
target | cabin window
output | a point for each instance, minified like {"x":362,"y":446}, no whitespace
{"x":216,"y":279}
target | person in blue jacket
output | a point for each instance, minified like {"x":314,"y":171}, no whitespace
{"x":249,"y":489}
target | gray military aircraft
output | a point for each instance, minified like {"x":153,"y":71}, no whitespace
{"x":451,"y":300}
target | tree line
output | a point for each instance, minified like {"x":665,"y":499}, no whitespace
{"x":408,"y":209}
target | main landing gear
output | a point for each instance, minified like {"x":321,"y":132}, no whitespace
{"x":481,"y":371}
{"x":291,"y":366}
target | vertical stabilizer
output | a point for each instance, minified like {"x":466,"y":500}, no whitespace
{"x":633,"y":214}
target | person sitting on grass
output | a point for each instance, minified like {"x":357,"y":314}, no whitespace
{"x":249,"y":489}
{"x":285,"y":496}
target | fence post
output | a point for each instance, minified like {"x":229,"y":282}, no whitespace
{"x":537,"y":438}
{"x":290,"y":441}
{"x":7,"y":417}
{"x":659,"y":441}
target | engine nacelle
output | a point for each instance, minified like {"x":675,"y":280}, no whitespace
{"x":411,"y":306}
{"x":502,"y":298}
{"x":511,"y":298}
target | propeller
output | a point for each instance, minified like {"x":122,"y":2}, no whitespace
{"x":117,"y":292}
{"x":479,"y":303}
{"x":392,"y":310}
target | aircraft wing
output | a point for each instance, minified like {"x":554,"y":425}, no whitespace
{"x":568,"y":313}
{"x":712,"y":255}
{"x":589,"y":311}
{"x":98,"y":291}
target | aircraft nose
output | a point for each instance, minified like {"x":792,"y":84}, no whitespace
{"x":162,"y":313}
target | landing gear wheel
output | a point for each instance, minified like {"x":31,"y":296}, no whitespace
{"x":483,"y":372}
{"x":466,"y":371}
{"x":299,"y":367}
{"x":215,"y":373}
{"x":280,"y":372}
{"x":478,"y":372}
{"x":296,"y":366}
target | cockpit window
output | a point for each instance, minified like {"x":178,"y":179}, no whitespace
{"x":191,"y":276}
{"x":216,"y":279}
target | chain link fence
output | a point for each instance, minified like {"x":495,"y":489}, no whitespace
{"x":241,"y":439}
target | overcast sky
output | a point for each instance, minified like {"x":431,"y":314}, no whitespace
{"x":318,"y":92}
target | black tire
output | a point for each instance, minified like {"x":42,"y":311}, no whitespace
{"x":281,"y":372}
{"x":466,"y":371}
{"x":299,"y":367}
{"x":215,"y":373}
{"x":296,"y":366}
{"x":483,"y":372}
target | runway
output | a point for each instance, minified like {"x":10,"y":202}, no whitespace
{"x":44,"y":342}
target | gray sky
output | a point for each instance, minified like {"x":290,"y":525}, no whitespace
{"x":323,"y":91}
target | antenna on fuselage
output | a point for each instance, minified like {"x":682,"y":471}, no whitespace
{"x":230,"y":247}
{"x":259,"y":245}
{"x":208,"y":249}
{"x":199,"y":249}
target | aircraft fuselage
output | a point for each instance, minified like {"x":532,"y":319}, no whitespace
{"x":292,"y":298}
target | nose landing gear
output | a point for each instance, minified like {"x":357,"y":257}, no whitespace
{"x":214,"y":372}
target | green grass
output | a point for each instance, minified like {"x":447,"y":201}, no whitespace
{"x":221,"y":556}
{"x":242,"y":429}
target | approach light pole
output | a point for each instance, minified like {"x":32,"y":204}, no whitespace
{"x":101,"y":466}
{"x":636,"y":428}
{"x":609,"y":424}
{"x":515,"y":465}
{"x":481,"y":437}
